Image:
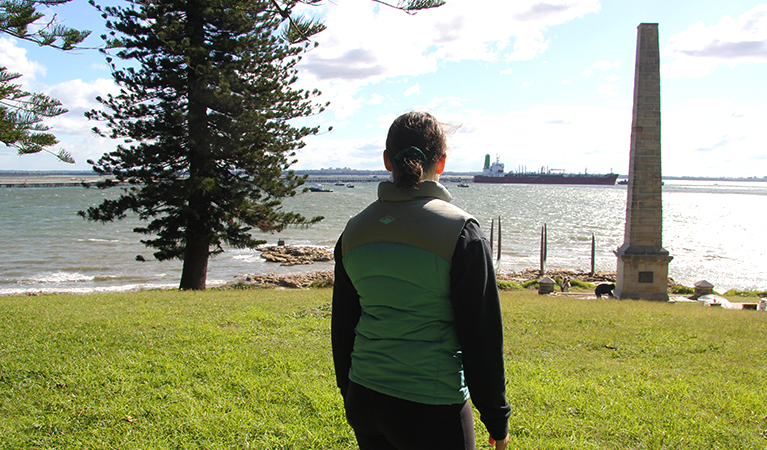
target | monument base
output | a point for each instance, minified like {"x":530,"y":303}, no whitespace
{"x":642,"y":273}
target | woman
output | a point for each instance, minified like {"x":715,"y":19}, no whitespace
{"x":416,"y":324}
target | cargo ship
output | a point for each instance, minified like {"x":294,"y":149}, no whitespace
{"x":494,"y":173}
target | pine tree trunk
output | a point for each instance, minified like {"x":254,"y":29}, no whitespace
{"x":195,"y":271}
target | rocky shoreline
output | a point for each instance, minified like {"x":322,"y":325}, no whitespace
{"x":326,"y":278}
{"x":290,"y":255}
{"x":287,"y":255}
{"x":534,"y":274}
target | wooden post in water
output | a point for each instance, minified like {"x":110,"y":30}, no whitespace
{"x":492,"y":224}
{"x":498,"y":259}
{"x":544,"y":249}
{"x":497,"y":262}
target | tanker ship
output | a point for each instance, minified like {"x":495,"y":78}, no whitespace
{"x":494,"y":173}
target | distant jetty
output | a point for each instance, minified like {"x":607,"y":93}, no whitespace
{"x":48,"y":180}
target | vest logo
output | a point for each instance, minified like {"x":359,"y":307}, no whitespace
{"x":387,"y":220}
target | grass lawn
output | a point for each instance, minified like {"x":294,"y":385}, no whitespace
{"x":243,"y":369}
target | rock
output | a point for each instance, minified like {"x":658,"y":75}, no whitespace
{"x":534,"y":274}
{"x":319,"y":279}
{"x":289,"y":255}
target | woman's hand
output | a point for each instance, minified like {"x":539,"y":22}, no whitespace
{"x":500,"y":445}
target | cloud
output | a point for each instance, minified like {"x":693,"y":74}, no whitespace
{"x":376,"y":99}
{"x":366,"y":43}
{"x":15,"y":59}
{"x":603,"y":66}
{"x":541,"y":11}
{"x":355,"y":153}
{"x":721,"y":137}
{"x":696,"y":51}
{"x":78,"y":96}
{"x":355,"y":64}
{"x":558,"y":136}
{"x":608,"y":90}
{"x":73,"y":130}
{"x":720,"y":144}
{"x":413,"y":90}
{"x":705,"y":137}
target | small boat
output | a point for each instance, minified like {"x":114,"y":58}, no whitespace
{"x":319,"y":188}
{"x":463,"y":185}
{"x":350,"y":185}
{"x":339,"y":183}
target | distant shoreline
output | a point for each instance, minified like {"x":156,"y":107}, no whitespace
{"x":37,"y":179}
{"x":74,"y":177}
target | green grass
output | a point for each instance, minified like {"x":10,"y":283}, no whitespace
{"x":246,"y":369}
{"x":753,"y":296}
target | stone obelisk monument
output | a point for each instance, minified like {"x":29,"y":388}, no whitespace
{"x":642,"y":260}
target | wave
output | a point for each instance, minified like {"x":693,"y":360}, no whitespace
{"x":84,"y":290}
{"x":97,"y":240}
{"x":59,"y":277}
{"x":247,"y":258}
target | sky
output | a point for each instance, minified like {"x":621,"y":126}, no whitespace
{"x":532,"y":83}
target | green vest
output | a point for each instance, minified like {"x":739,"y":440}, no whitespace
{"x":398,"y":254}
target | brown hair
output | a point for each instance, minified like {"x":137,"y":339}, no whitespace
{"x":420,"y":130}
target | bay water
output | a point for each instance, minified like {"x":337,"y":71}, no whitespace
{"x":714,"y":231}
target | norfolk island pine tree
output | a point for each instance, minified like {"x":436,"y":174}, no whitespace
{"x":21,"y":112}
{"x":203,"y":117}
{"x":187,"y":35}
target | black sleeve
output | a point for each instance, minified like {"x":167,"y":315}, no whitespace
{"x":474,"y":295}
{"x":345,"y":315}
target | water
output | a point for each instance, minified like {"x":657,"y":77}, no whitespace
{"x":712,"y":230}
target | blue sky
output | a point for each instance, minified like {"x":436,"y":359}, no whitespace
{"x":534,"y":83}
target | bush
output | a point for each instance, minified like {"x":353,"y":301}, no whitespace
{"x":320,"y":284}
{"x":582,"y":284}
{"x":507,"y":285}
{"x":682,"y":290}
{"x":737,"y":293}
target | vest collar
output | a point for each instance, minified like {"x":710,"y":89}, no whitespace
{"x":388,"y":191}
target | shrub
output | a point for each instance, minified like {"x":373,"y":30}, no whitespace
{"x":321,"y":284}
{"x":582,"y":284}
{"x":507,"y":285}
{"x":682,"y":290}
{"x":737,"y":293}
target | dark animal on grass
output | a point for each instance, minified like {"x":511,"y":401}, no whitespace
{"x":603,"y":289}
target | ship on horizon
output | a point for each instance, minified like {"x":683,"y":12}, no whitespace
{"x":494,"y":173}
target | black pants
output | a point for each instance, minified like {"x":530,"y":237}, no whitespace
{"x":381,"y":422}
